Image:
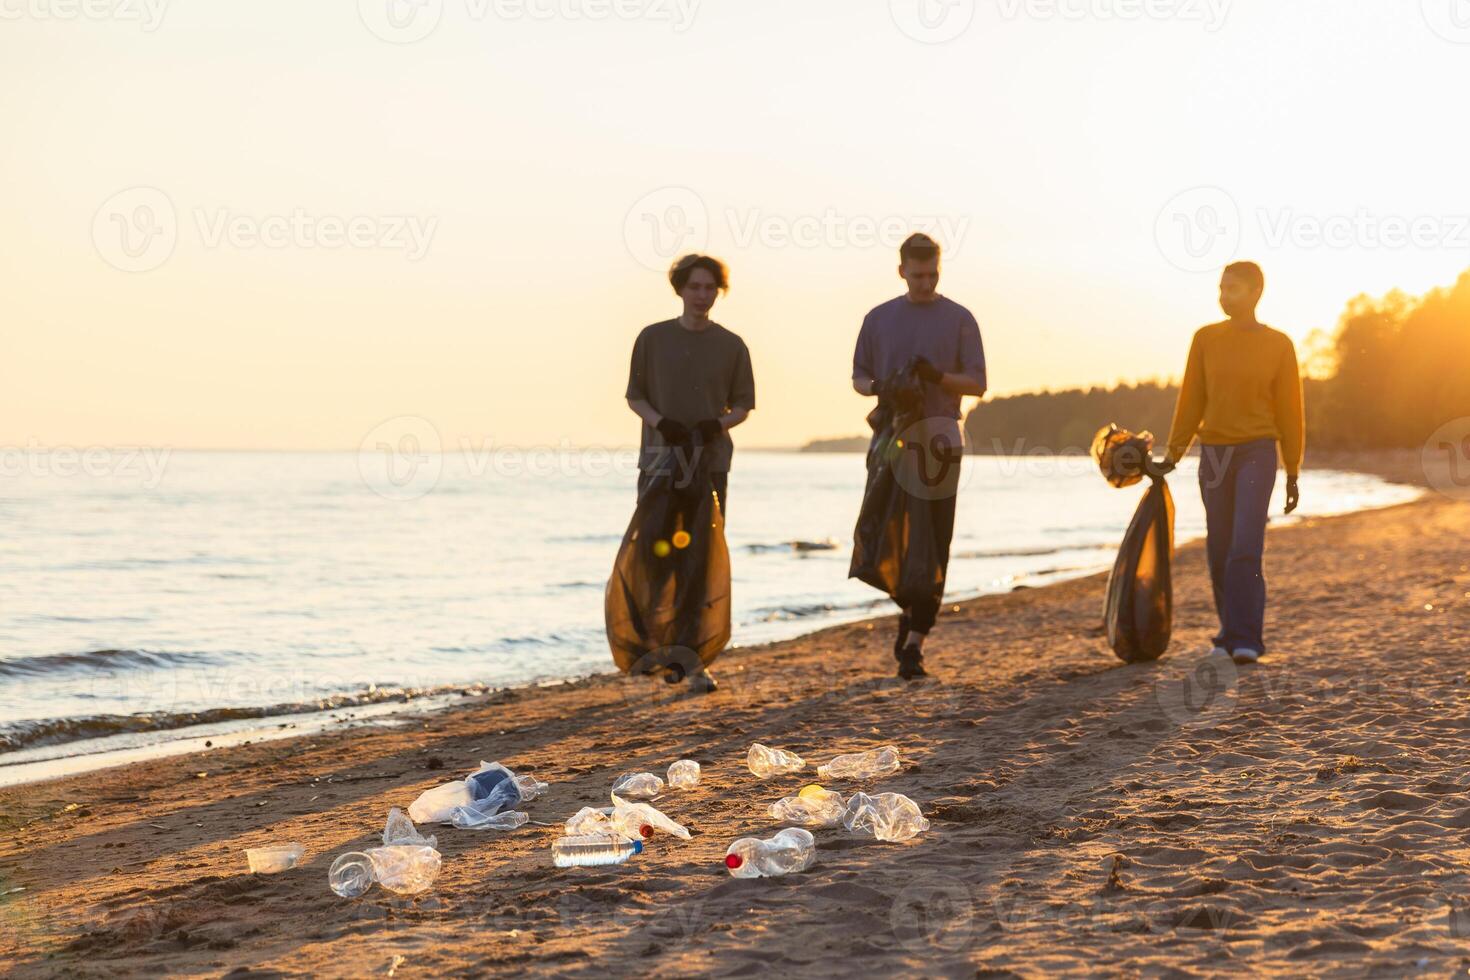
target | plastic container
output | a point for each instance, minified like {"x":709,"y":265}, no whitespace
{"x":887,"y":816}
{"x":767,"y":762}
{"x":274,"y":860}
{"x":637,"y":786}
{"x":593,"y":851}
{"x":684,"y":774}
{"x":789,"y":851}
{"x":863,"y":765}
{"x":351,"y":875}
{"x":468,"y":818}
{"x":814,"y":807}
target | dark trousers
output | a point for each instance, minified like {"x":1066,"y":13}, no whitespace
{"x":721,"y":482}
{"x":1236,"y":483}
{"x":941,"y":511}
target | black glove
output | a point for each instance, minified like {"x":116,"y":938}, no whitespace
{"x":674,"y":433}
{"x":710,"y":430}
{"x":927,"y":372}
{"x":1293,"y":494}
{"x":1160,"y":467}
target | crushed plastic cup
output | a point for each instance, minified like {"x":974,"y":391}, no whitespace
{"x":351,"y":875}
{"x":274,"y":860}
{"x":437,"y":805}
{"x":400,"y":830}
{"x":590,"y":821}
{"x":887,"y":816}
{"x":637,"y":786}
{"x":767,"y":762}
{"x":684,"y":774}
{"x":792,"y":850}
{"x":814,"y":807}
{"x":404,"y":868}
{"x":468,"y":818}
{"x":863,"y":765}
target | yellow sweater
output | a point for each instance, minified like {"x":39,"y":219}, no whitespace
{"x":1242,"y":384}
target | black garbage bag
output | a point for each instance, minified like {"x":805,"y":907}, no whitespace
{"x":1139,"y":610}
{"x":896,"y":546}
{"x":667,"y":603}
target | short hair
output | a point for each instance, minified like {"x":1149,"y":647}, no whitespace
{"x":1250,"y":272}
{"x":681,"y":270}
{"x":919,"y":247}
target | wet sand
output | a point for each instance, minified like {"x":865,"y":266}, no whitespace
{"x":1310,"y":816}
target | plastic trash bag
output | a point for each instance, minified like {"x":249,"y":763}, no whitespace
{"x":1139,"y":609}
{"x":896,"y":547}
{"x":668,"y":601}
{"x":1121,"y":455}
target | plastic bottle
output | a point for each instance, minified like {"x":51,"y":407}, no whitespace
{"x":469,"y":818}
{"x":887,"y":816}
{"x":793,"y":849}
{"x":766,"y":762}
{"x":637,"y":786}
{"x":593,"y":851}
{"x":530,"y":787}
{"x":351,"y":875}
{"x":684,"y":774}
{"x":814,"y":807}
{"x":862,"y":765}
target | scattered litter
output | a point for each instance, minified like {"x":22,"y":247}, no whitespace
{"x":274,"y":860}
{"x":862,"y":765}
{"x":405,"y":868}
{"x":590,"y":820}
{"x":468,"y":818}
{"x":351,"y":875}
{"x":394,"y":964}
{"x":595,"y":850}
{"x":887,"y":816}
{"x":400,"y":830}
{"x":814,"y":807}
{"x":637,"y":786}
{"x":684,"y":774}
{"x":766,"y":762}
{"x":793,"y":849}
{"x":487,"y":791}
{"x":635,"y":820}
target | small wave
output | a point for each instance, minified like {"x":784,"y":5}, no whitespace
{"x":62,"y":663}
{"x":1027,"y":552}
{"x":578,"y":585}
{"x":796,"y":547}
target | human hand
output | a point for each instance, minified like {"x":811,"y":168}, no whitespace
{"x":1293,"y":494}
{"x":1161,"y":467}
{"x":710,"y":430}
{"x":927,"y":372}
{"x":674,"y":433}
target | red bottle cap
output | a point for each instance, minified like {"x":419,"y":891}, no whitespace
{"x":733,"y":861}
{"x":646,"y":830}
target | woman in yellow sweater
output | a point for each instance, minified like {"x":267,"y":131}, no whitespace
{"x":1242,"y":396}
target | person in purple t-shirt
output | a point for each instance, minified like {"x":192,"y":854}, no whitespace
{"x":942,"y":339}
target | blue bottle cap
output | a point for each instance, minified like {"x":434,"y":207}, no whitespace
{"x":637,"y":847}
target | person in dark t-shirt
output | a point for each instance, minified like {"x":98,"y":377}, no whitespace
{"x":942,"y":340}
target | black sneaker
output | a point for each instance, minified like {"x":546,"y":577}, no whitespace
{"x":903,"y":637}
{"x":703,"y":683}
{"x":911,"y":664}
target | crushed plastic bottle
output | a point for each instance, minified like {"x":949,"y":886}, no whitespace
{"x":400,"y":830}
{"x":814,"y":807}
{"x":887,"y":816}
{"x":406,"y":869}
{"x":793,"y":849}
{"x":468,"y":818}
{"x":862,"y":765}
{"x":590,"y":820}
{"x":637,"y":786}
{"x":351,"y":875}
{"x":635,"y":820}
{"x":593,"y":851}
{"x":684,"y":774}
{"x":274,"y":860}
{"x":531,"y":787}
{"x":766,"y":762}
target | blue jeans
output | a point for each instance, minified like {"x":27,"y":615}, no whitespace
{"x":1236,"y":483}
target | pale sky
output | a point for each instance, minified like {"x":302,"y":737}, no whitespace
{"x":509,"y":167}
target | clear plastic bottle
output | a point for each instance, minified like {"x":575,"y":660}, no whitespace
{"x":791,"y":850}
{"x":352,"y":874}
{"x":887,"y":816}
{"x":593,"y":851}
{"x":767,"y":762}
{"x":684,"y":774}
{"x":862,"y":765}
{"x":468,"y":818}
{"x":637,"y":786}
{"x":814,"y":807}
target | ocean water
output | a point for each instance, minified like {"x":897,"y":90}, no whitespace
{"x":221,"y":585}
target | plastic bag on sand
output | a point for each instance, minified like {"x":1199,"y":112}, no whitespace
{"x":405,"y":869}
{"x":637,"y":786}
{"x":887,"y":816}
{"x":667,"y":603}
{"x":274,"y":860}
{"x":400,"y":830}
{"x":767,"y":762}
{"x":862,"y":765}
{"x":488,"y":790}
{"x":468,"y":818}
{"x":684,"y":774}
{"x":437,"y":805}
{"x":814,"y":807}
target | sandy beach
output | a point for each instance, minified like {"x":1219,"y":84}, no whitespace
{"x":1308,"y":817}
